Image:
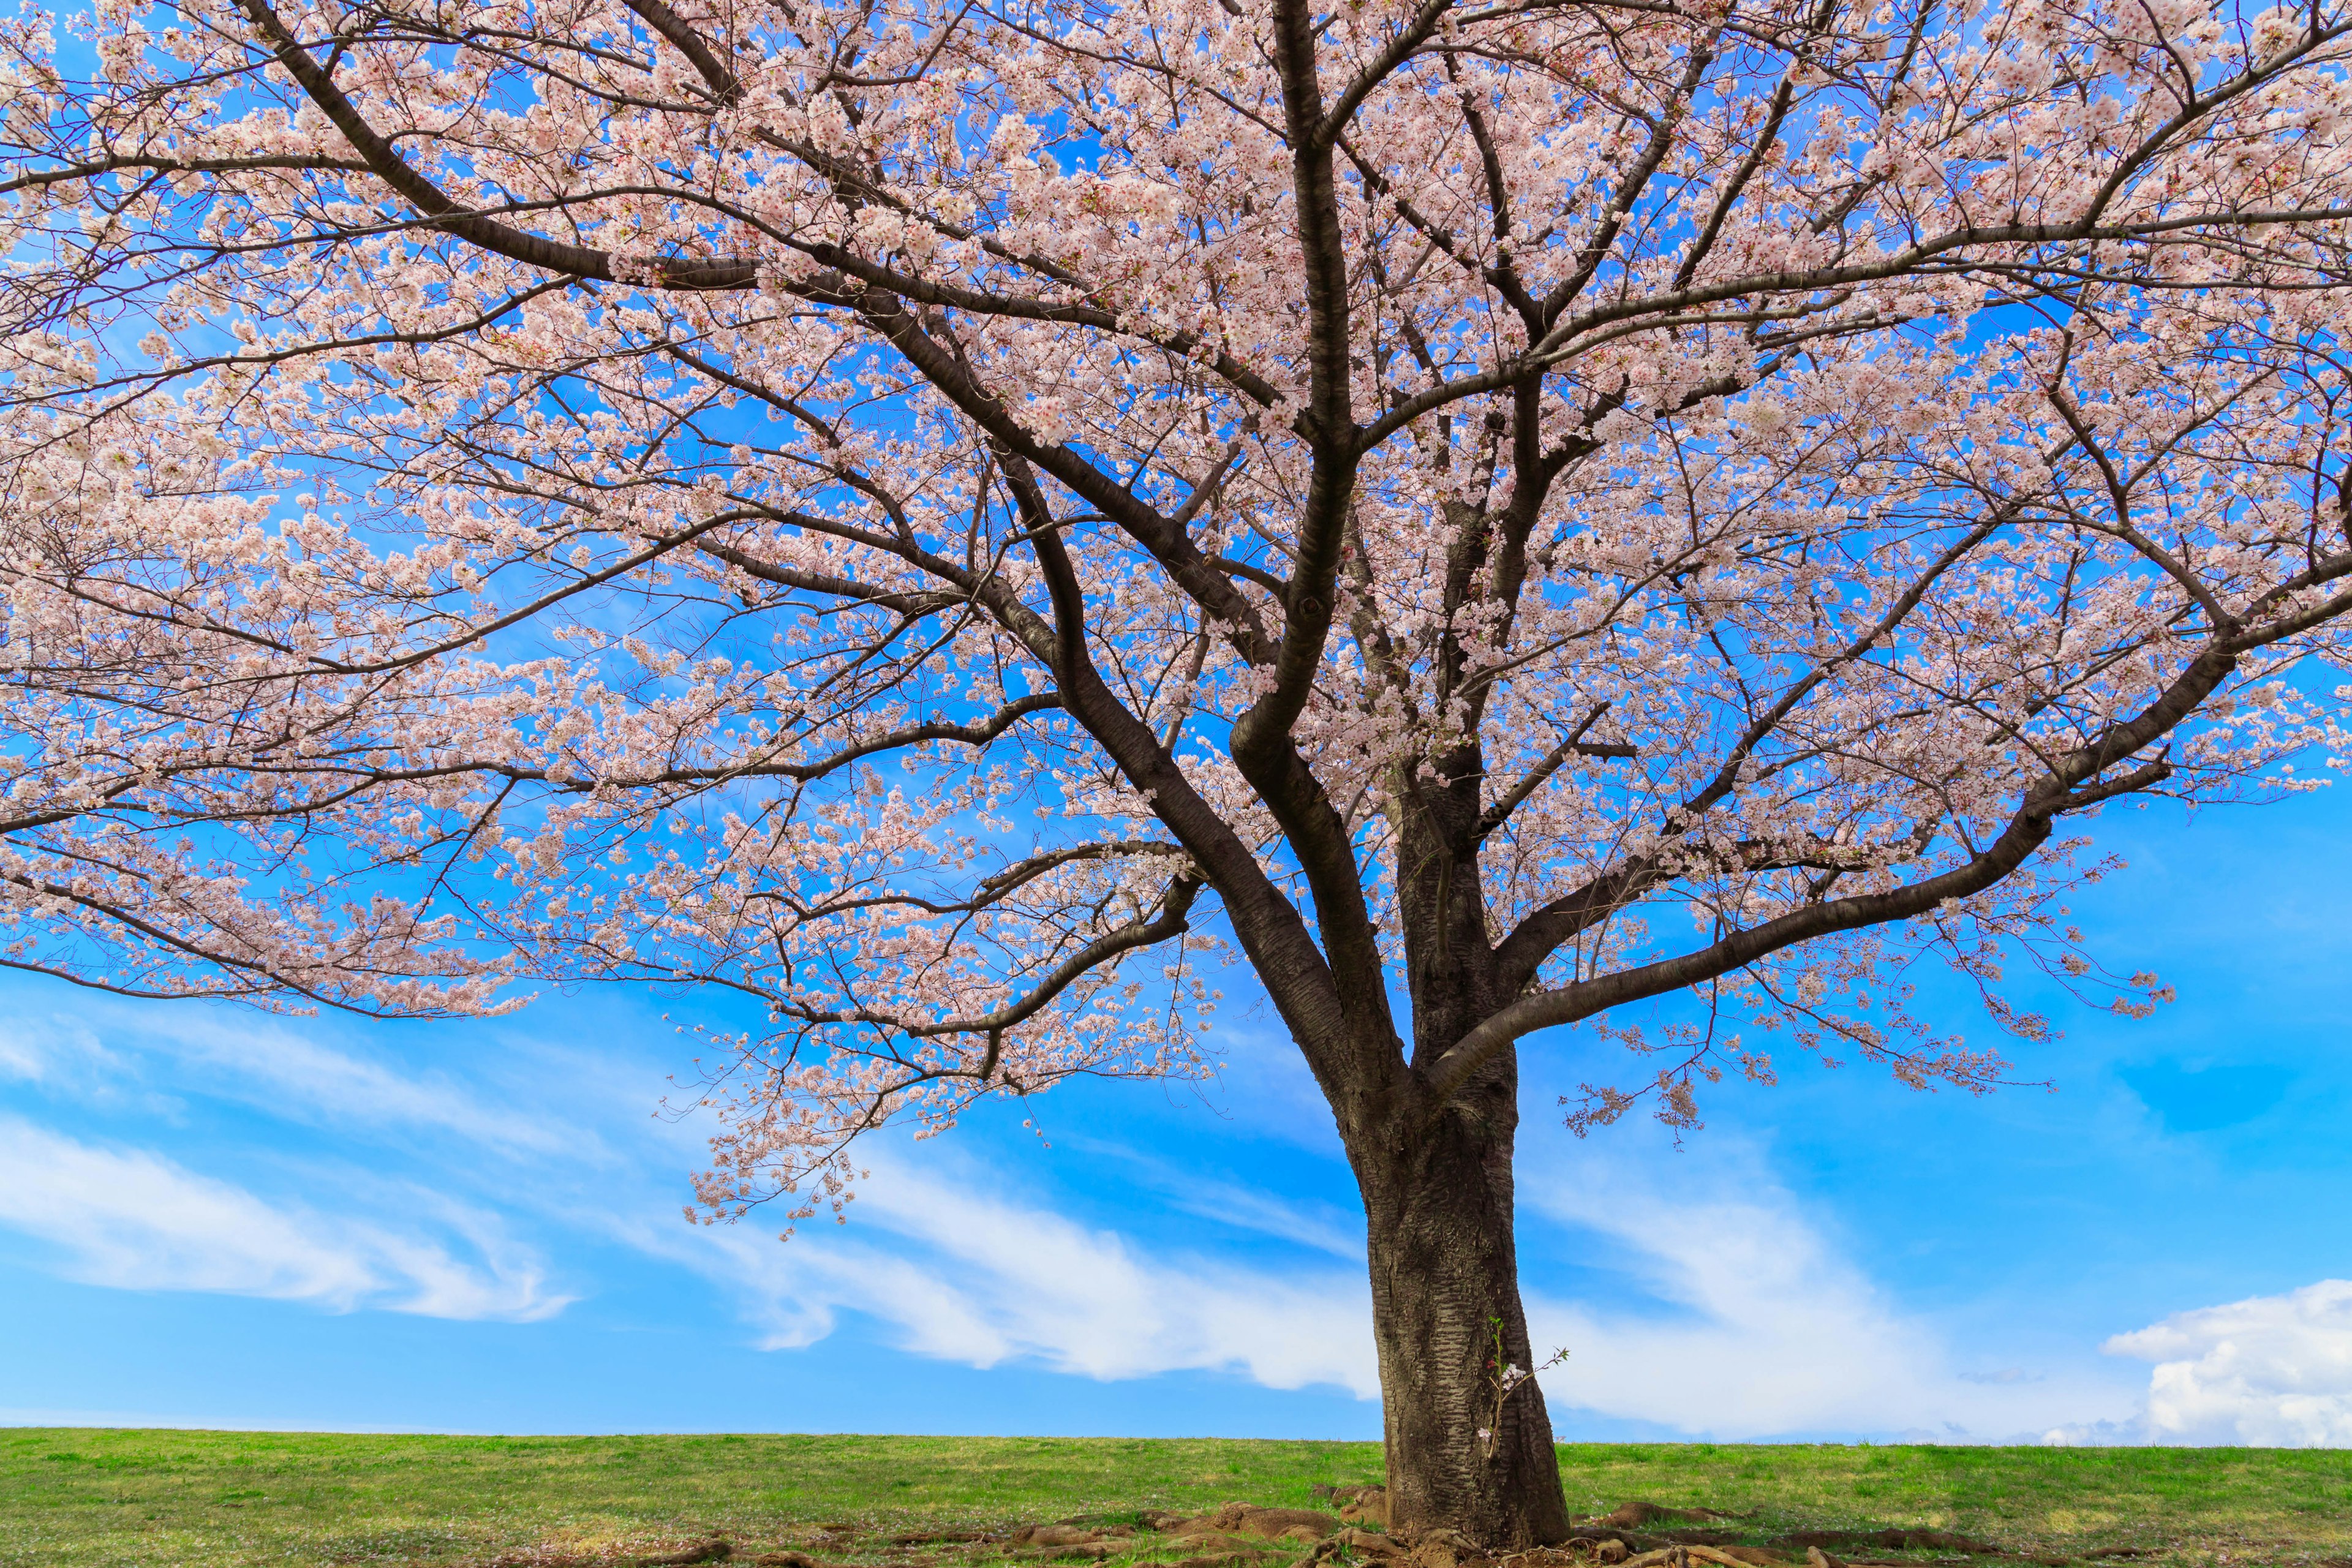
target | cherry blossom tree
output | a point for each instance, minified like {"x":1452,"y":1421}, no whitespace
{"x":949,"y":523}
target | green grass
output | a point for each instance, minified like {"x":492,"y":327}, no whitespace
{"x":83,"y":1499}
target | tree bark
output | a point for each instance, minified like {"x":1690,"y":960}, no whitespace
{"x":1438,"y":1207}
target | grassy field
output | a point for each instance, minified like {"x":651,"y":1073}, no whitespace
{"x":82,"y":1498}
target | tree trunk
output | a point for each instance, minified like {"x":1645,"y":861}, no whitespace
{"x":1438,"y":1205}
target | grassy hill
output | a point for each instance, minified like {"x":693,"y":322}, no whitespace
{"x":90,"y":1498}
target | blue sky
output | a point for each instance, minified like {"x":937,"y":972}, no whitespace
{"x":214,"y":1217}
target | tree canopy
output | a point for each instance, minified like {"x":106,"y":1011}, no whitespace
{"x":927,"y":517}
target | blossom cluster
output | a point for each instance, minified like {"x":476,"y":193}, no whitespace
{"x":932,"y":518}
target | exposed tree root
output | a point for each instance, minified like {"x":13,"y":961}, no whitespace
{"x":1633,"y":1534}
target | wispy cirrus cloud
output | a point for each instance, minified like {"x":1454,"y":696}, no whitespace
{"x":133,"y":1219}
{"x":32,"y":1053}
{"x":1740,"y":1318}
{"x":271,"y":1064}
{"x":1235,"y":1206}
{"x":1709,"y":1300}
{"x":969,"y":1273}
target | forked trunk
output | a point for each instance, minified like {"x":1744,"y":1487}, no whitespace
{"x":1465,"y":1449}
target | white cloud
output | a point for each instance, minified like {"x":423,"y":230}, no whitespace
{"x":51,"y":1051}
{"x":1728,"y":1309}
{"x":134,"y":1220}
{"x":1734,"y":1316}
{"x":278,"y":1069}
{"x":968,"y":1276}
{"x":1318,"y":1227}
{"x":960,"y":1270}
{"x":1259,"y":1080}
{"x":1754,"y":1325}
{"x":103,"y":1047}
{"x":2269,"y":1371}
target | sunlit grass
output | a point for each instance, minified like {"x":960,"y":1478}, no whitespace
{"x":83,"y":1499}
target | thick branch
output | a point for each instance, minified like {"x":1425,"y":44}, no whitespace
{"x":2027,"y":828}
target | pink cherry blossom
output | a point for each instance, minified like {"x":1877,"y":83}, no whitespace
{"x":948,"y":524}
